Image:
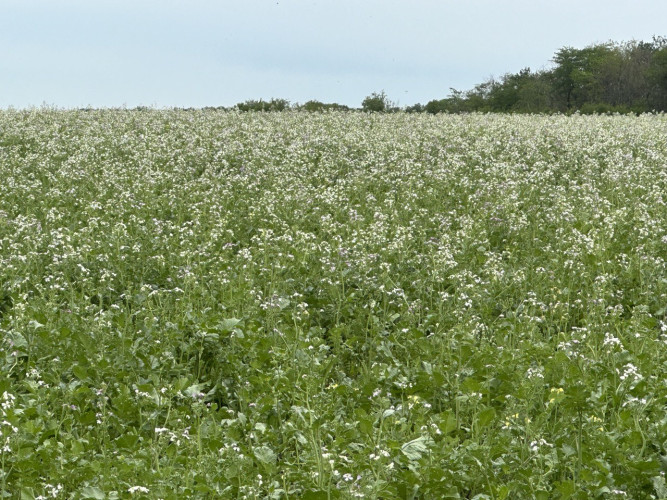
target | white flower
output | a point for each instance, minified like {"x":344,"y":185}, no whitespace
{"x":630,"y":371}
{"x":610,"y":340}
{"x":138,"y":489}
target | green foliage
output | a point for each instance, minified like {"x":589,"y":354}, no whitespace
{"x":212,"y":304}
{"x":603,"y":78}
{"x":6,"y":302}
{"x":317,"y":106}
{"x":657,"y":76}
{"x":272,"y":105}
{"x":525,"y":92}
{"x":441,"y":106}
{"x":415,"y":108}
{"x":378,"y":103}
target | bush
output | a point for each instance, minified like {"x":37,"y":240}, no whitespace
{"x":317,"y":106}
{"x":438,"y":106}
{"x":415,"y":108}
{"x":272,"y":105}
{"x":376,"y":102}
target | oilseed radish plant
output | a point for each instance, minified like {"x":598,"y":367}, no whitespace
{"x":211,"y":304}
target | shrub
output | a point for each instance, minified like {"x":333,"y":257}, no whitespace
{"x":272,"y":105}
{"x":376,"y":102}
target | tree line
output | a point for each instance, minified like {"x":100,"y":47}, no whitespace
{"x":612,"y":77}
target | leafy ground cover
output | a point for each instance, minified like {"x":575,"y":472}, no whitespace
{"x":338,"y":305}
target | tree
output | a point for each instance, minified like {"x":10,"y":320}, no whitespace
{"x":657,"y":77}
{"x":376,"y":102}
{"x":592,"y":75}
{"x":415,"y":108}
{"x":477,"y":99}
{"x":315,"y":106}
{"x":272,"y":105}
{"x":524,"y":92}
{"x":566,"y":76}
{"x":438,"y":106}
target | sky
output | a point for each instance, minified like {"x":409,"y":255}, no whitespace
{"x":195,"y":53}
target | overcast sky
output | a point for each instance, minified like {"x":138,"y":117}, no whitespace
{"x":108,"y":53}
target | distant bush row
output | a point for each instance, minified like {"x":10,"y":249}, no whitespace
{"x":628,"y":77}
{"x":282,"y":104}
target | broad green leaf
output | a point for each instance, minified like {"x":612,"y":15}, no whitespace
{"x":660,"y":486}
{"x":36,"y":325}
{"x":195,"y":390}
{"x":127,"y":441}
{"x":485,"y":417}
{"x":388,"y":413}
{"x":301,"y":438}
{"x":227,"y":325}
{"x":261,"y":427}
{"x":93,"y":492}
{"x":414,"y":449}
{"x":566,"y":488}
{"x":17,"y":339}
{"x":28,"y":494}
{"x":366,"y":426}
{"x":645,"y":465}
{"x":448,"y":422}
{"x":80,"y":372}
{"x":265,"y":454}
{"x":283,"y":302}
{"x":568,"y":450}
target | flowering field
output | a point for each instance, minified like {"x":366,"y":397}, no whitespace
{"x":314,"y":306}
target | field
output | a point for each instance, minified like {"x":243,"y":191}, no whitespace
{"x":207,"y":304}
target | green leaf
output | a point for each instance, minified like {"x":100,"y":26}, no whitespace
{"x":414,"y":449}
{"x":28,"y":494}
{"x":485,"y":417}
{"x":265,"y":455}
{"x":35,"y":325}
{"x":503,"y":492}
{"x":663,"y":462}
{"x":315,"y":495}
{"x":93,"y":492}
{"x":195,"y":390}
{"x":568,"y":450}
{"x":227,"y":325}
{"x":78,"y":447}
{"x":449,"y":492}
{"x":448,"y":423}
{"x":283,"y":302}
{"x":80,"y":372}
{"x":17,"y":339}
{"x":388,"y":413}
{"x":646,"y":465}
{"x":660,"y":486}
{"x":127,"y":441}
{"x":301,"y":438}
{"x":366,"y":426}
{"x":566,"y":488}
{"x":261,"y":427}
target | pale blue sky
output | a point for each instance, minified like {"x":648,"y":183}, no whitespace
{"x":108,"y":53}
